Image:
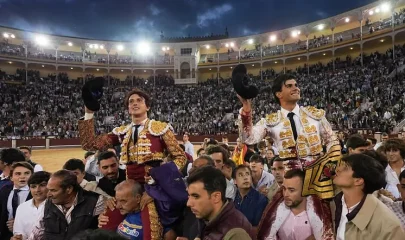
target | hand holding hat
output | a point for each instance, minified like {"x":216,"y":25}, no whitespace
{"x":92,"y":92}
{"x":240,"y":81}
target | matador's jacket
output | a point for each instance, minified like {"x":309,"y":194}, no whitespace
{"x":313,"y":131}
{"x":155,"y":141}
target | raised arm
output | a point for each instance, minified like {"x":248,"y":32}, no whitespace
{"x":248,"y":133}
{"x":88,"y":138}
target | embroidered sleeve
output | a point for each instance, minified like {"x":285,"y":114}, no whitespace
{"x":248,"y":133}
{"x":91,"y":142}
{"x":327,"y":135}
{"x":175,"y":150}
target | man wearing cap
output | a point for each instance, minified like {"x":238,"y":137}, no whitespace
{"x":144,"y":145}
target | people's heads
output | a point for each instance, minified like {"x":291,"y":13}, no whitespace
{"x":356,"y":144}
{"x":256,"y":163}
{"x":128,"y":195}
{"x":394,"y":150}
{"x":20,"y":172}
{"x":77,"y":167}
{"x":108,"y":165}
{"x":384,"y":137}
{"x":401,"y":185}
{"x":200,"y":152}
{"x":210,"y":142}
{"x":372,"y":142}
{"x":270,"y":153}
{"x":229,"y":167}
{"x":341,"y":135}
{"x":185,"y":137}
{"x":218,"y":154}
{"x":381,"y":158}
{"x":87,"y":156}
{"x":292,"y":188}
{"x":277,"y":169}
{"x":360,"y":171}
{"x":243,"y":177}
{"x":37,"y":184}
{"x":285,"y":89}
{"x":112,"y":150}
{"x":138,"y":102}
{"x":261,"y":146}
{"x":26,"y":151}
{"x":200,"y":162}
{"x":8,"y":156}
{"x":225,"y":140}
{"x":206,"y":190}
{"x":62,"y":187}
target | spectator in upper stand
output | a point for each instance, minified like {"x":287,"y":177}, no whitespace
{"x":189,"y":148}
{"x":395,"y":152}
{"x":8,"y":156}
{"x":27,"y":153}
{"x":248,"y":200}
{"x":356,"y":144}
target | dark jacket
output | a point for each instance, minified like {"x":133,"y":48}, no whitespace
{"x":108,"y":186}
{"x":56,"y":226}
{"x":4,"y":193}
{"x":89,"y":177}
{"x":229,"y":218}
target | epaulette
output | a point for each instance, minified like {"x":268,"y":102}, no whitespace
{"x":157,"y":128}
{"x":121,"y":130}
{"x":313,"y":112}
{"x":273,"y":119}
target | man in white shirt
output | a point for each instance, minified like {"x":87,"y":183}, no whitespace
{"x":28,"y":212}
{"x":12,"y":195}
{"x":188,"y":145}
{"x":384,"y":138}
{"x":27,"y":153}
{"x":360,"y":215}
{"x":395,"y":151}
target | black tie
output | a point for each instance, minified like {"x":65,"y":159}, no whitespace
{"x":136,"y":133}
{"x":15,"y":201}
{"x":294,"y":128}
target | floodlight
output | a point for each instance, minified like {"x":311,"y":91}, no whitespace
{"x":41,"y":40}
{"x":144,"y":48}
{"x":120,"y":47}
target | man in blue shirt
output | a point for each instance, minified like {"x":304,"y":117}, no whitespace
{"x":248,"y":200}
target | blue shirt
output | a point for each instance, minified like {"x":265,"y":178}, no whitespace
{"x":252,"y":205}
{"x":131,"y":228}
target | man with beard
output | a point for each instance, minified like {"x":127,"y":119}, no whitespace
{"x":295,"y":216}
{"x":113,"y":175}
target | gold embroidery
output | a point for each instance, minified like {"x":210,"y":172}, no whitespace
{"x":304,"y":120}
{"x":88,"y":139}
{"x":286,"y":134}
{"x":156,"y":227}
{"x":310,"y":129}
{"x":303,"y":153}
{"x":316,"y":149}
{"x":287,"y":154}
{"x":157,"y":128}
{"x":174,"y":149}
{"x":286,"y":123}
{"x":313,"y":139}
{"x":301,"y":146}
{"x":288,"y":143}
{"x":301,"y":139}
{"x":314,"y":113}
{"x":273,"y":119}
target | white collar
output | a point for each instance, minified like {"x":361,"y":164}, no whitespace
{"x":25,"y":188}
{"x":296,"y":111}
{"x":142,"y":123}
{"x":345,"y":206}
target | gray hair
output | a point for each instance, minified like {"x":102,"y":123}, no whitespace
{"x":136,"y":188}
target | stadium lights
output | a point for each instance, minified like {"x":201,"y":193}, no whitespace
{"x":250,"y":41}
{"x":98,"y":69}
{"x":273,"y":38}
{"x":70,"y":44}
{"x":377,"y":10}
{"x":210,"y":69}
{"x":382,"y":40}
{"x":144,"y":71}
{"x":120,"y":47}
{"x":41,"y":40}
{"x":122,"y":70}
{"x":167,"y":71}
{"x":5,"y":35}
{"x":12,"y":36}
{"x":144,"y":48}
{"x":96,"y":46}
{"x":295,"y":33}
{"x":385,"y":7}
{"x":371,"y":12}
{"x":351,"y":48}
{"x":232,"y":44}
{"x":101,"y":46}
{"x":207,"y":47}
{"x":226,"y":45}
{"x":321,"y":27}
{"x":253,"y":65}
{"x":71,"y":68}
{"x":165,"y":49}
{"x":10,"y":62}
{"x":347,"y":20}
{"x":91,"y":45}
{"x":299,"y":59}
{"x":275,"y":62}
{"x":324,"y":54}
{"x":43,"y":66}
